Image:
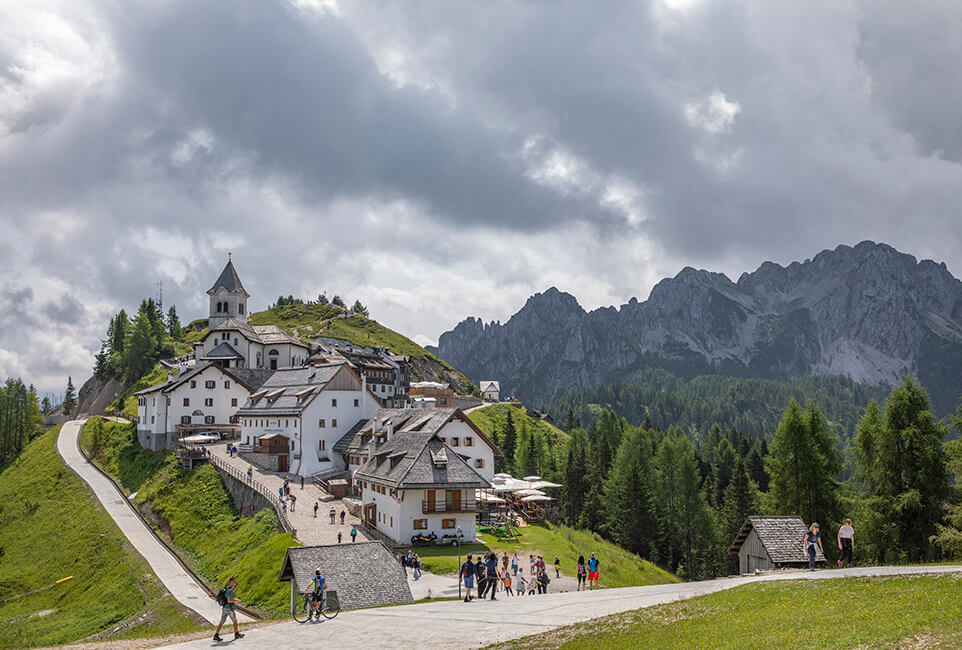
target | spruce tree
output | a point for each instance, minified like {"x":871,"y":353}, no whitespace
{"x":574,"y":487}
{"x":630,"y":519}
{"x":509,"y":441}
{"x":141,"y":349}
{"x":174,"y":328}
{"x":524,"y":460}
{"x":69,"y":398}
{"x":738,"y":502}
{"x":593,"y":512}
{"x":119,"y":333}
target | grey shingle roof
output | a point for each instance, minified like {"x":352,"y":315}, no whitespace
{"x":266,"y":334}
{"x":430,"y":420}
{"x":229,"y":280}
{"x":364,"y":574}
{"x":782,"y":538}
{"x":223,"y":350}
{"x":418,"y":459}
{"x":293,"y":382}
{"x":251,"y":378}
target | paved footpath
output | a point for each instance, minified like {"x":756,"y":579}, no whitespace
{"x":480,"y":623}
{"x":178,"y":582}
{"x":310,"y":531}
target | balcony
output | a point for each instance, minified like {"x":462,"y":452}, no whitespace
{"x":466,"y":505}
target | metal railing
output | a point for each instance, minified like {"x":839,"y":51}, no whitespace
{"x":264,"y":491}
{"x":467,"y":505}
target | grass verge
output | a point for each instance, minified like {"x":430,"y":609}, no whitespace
{"x":195,"y":512}
{"x":619,"y":567}
{"x":905,"y":611}
{"x":51,"y":527}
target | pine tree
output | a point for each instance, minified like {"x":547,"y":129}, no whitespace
{"x":69,"y":398}
{"x":524,"y":461}
{"x":593,"y":512}
{"x":738,"y":501}
{"x":338,"y":301}
{"x":509,"y":442}
{"x":174,"y":328}
{"x":141,"y":349}
{"x":630,"y":518}
{"x":119,"y":333}
{"x":574,"y":487}
{"x":722,"y":468}
{"x":359,"y":308}
{"x":756,"y":467}
{"x":45,"y":405}
{"x":100,"y":363}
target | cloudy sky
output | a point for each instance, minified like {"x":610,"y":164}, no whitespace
{"x":444,"y":159}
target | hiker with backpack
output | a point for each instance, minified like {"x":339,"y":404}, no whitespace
{"x":226,"y":600}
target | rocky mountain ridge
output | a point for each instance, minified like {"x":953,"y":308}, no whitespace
{"x":868,"y":312}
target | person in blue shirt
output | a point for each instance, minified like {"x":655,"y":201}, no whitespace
{"x":316,"y":589}
{"x":593,"y":571}
{"x":813,"y":544}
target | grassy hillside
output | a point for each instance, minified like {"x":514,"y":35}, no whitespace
{"x":619,"y":569}
{"x":905,"y":612}
{"x":196,"y":513}
{"x":491,"y":420}
{"x":51,"y":527}
{"x":309,"y":321}
{"x":127,"y":402}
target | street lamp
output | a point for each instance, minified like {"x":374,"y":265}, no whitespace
{"x":460,"y":536}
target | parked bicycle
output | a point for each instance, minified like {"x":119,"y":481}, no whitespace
{"x":328,"y":606}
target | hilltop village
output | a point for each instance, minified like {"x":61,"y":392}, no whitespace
{"x":329,"y":412}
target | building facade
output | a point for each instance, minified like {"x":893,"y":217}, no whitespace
{"x":386,"y":373}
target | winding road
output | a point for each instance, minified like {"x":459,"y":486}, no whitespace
{"x":177,"y":581}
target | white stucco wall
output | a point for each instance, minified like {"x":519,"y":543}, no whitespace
{"x":397,"y":519}
{"x":455,"y":434}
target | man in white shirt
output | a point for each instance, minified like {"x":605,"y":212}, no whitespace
{"x":846,"y":543}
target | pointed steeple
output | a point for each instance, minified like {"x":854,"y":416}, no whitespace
{"x":229,"y":280}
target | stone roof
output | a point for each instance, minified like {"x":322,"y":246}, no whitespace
{"x":229,"y":280}
{"x":296,"y":388}
{"x":223,"y":350}
{"x":490,"y":385}
{"x":250,"y":378}
{"x":363,"y":574}
{"x":418,"y":459}
{"x":264,"y":334}
{"x":782,"y":538}
{"x":273,"y":334}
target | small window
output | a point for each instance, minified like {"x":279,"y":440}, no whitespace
{"x":444,"y":440}
{"x":210,"y":383}
{"x":186,"y":401}
{"x":448,"y":524}
{"x":468,"y":441}
{"x":209,"y":401}
{"x":420,"y":524}
{"x":391,"y":524}
{"x":455,"y":442}
{"x":227,"y":383}
{"x":151,"y":419}
{"x":321,"y":424}
{"x":208,"y":419}
{"x":357,"y":402}
{"x":193,"y":383}
{"x":333,"y":402}
{"x":334,"y":423}
{"x":240,"y":308}
{"x":479,"y":463}
{"x":185,"y":419}
{"x":444,"y":400}
{"x":322,"y":445}
{"x":233,"y":401}
{"x":287,"y":423}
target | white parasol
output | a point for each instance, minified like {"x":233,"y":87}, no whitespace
{"x":537,"y":497}
{"x":529,"y":493}
{"x":538,"y":485}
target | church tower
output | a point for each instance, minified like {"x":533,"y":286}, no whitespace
{"x":228,"y":298}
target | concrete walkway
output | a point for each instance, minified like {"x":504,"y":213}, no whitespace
{"x":178,"y":582}
{"x":311,"y":531}
{"x":480,"y":623}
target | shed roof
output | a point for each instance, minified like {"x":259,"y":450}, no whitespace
{"x":782,"y":538}
{"x":363,"y":574}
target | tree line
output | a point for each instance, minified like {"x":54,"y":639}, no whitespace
{"x":678,"y":497}
{"x":21,"y":419}
{"x":133,"y":345}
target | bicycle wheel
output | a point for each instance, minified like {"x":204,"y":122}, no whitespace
{"x":328,"y":611}
{"x":302,"y":609}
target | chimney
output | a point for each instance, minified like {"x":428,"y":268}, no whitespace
{"x":390,"y":430}
{"x":363,"y":383}
{"x":371,"y":448}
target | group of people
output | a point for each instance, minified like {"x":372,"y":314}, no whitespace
{"x":588,"y":571}
{"x":812,"y":544}
{"x":412,"y":560}
{"x":507,"y":575}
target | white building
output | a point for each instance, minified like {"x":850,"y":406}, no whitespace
{"x":232,"y":342}
{"x":491,"y":390}
{"x":203,"y":398}
{"x":452,"y":427}
{"x":294,"y":420}
{"x":416,"y":484}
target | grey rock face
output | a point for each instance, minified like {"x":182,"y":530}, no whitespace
{"x":869,"y":312}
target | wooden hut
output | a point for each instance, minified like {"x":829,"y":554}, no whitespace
{"x":771,"y":543}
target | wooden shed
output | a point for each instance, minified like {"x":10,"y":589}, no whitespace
{"x":771,"y":543}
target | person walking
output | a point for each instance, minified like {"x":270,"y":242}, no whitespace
{"x":467,"y":575}
{"x":557,"y":567}
{"x":338,"y":537}
{"x":343,"y":512}
{"x":333,"y":514}
{"x":293,"y":502}
{"x":482,"y":580}
{"x":491,"y":571}
{"x":284,"y":505}
{"x":302,"y":482}
{"x":594,"y":570}
{"x":846,"y":543}
{"x":514,"y":563}
{"x":250,"y":472}
{"x":543,"y":581}
{"x":812,"y":544}
{"x":505,"y":578}
{"x":582,"y":573}
{"x":353,"y":534}
{"x":519,"y":582}
{"x":227,"y":602}
{"x":416,"y":563}
{"x":316,"y":506}
{"x":280,"y":492}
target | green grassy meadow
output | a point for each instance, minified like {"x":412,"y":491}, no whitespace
{"x":492,"y":419}
{"x":619,"y":567}
{"x":889,"y":612}
{"x":196,"y":513}
{"x":51,"y":527}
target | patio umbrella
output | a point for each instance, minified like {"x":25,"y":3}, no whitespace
{"x":529,"y":493}
{"x":538,"y":485}
{"x":490,"y":498}
{"x":532,"y":478}
{"x":537,"y":497}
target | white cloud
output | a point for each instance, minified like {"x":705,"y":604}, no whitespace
{"x":714,"y":114}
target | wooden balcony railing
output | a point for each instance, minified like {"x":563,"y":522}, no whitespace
{"x":466,"y":505}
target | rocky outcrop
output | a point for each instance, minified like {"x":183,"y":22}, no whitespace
{"x":95,"y":396}
{"x":868,"y":312}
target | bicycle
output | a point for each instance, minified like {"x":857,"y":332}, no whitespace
{"x":329,"y":607}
